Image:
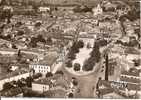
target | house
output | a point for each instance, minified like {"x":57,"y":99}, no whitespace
{"x":113,"y":95}
{"x":13,"y":76}
{"x":110,"y":6}
{"x":98,"y":10}
{"x":132,"y":78}
{"x":44,"y":9}
{"x":6,"y":59}
{"x":114,"y":89}
{"x":55,"y":93}
{"x":56,"y":82}
{"x":106,"y":90}
{"x":41,"y":85}
{"x":8,"y":8}
{"x":45,"y":65}
{"x":87,"y":38}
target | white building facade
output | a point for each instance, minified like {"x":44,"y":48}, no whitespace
{"x":40,"y":68}
{"x":98,"y":10}
{"x":40,"y":87}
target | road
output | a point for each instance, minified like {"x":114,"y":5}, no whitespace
{"x":87,"y":83}
{"x":57,"y":67}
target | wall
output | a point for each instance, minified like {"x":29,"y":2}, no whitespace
{"x":40,"y":87}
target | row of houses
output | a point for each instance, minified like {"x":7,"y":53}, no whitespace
{"x":127,"y":86}
{"x":57,"y":81}
{"x":13,"y":76}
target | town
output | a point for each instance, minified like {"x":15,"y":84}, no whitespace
{"x":70,"y":49}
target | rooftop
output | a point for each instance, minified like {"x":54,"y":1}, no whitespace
{"x":55,"y":93}
{"x":12,"y":74}
{"x":57,"y":80}
{"x":131,"y":72}
{"x":43,"y":81}
{"x":49,"y":59}
{"x":106,"y":91}
{"x":131,"y":50}
{"x":130,"y":80}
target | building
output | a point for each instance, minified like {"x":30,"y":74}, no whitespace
{"x":13,"y":76}
{"x":44,"y":9}
{"x":56,"y":82}
{"x":127,"y":86}
{"x":88,"y":39}
{"x":45,"y":65}
{"x":41,"y":85}
{"x":40,"y":67}
{"x":98,"y":10}
{"x":132,"y":78}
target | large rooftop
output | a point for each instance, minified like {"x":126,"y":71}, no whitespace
{"x":49,"y":59}
{"x":12,"y":74}
{"x":57,"y":80}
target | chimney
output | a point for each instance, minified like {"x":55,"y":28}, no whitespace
{"x":106,"y":67}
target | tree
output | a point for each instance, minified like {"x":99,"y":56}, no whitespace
{"x":137,"y":62}
{"x":71,"y":55}
{"x":13,"y":82}
{"x":49,"y":74}
{"x":96,"y":53}
{"x":69,"y":64}
{"x":36,"y":76}
{"x":19,"y":53}
{"x":9,"y":69}
{"x":35,"y":7}
{"x":38,"y":24}
{"x":88,"y":64}
{"x":59,"y":72}
{"x":88,"y":45}
{"x":3,"y":2}
{"x":82,"y":8}
{"x":29,"y":81}
{"x":75,"y":47}
{"x":14,"y":46}
{"x":7,"y":86}
{"x":137,"y":31}
{"x":75,"y":83}
{"x":70,"y":95}
{"x":80,"y":44}
{"x":33,"y":42}
{"x":49,"y":40}
{"x":77,"y":67}
{"x":40,"y":38}
{"x":102,"y":42}
{"x":20,"y":84}
{"x":20,"y":33}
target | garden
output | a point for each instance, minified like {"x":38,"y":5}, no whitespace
{"x":82,"y":57}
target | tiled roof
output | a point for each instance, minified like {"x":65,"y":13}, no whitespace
{"x":131,"y":51}
{"x":106,"y":91}
{"x":59,"y":80}
{"x":131,"y":73}
{"x":59,"y":93}
{"x":12,"y":74}
{"x":130,"y":85}
{"x":132,"y":80}
{"x":43,"y":81}
{"x":48,"y":60}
